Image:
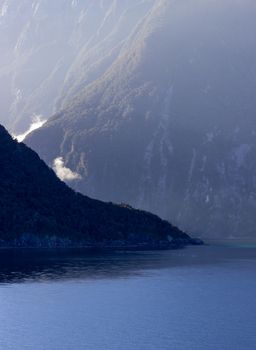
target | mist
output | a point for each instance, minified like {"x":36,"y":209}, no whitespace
{"x":64,"y":173}
{"x":38,"y":122}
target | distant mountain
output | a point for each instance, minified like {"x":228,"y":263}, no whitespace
{"x":165,"y":120}
{"x":52,"y":48}
{"x":37,"y":209}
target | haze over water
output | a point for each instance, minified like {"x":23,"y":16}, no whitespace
{"x":197,"y":298}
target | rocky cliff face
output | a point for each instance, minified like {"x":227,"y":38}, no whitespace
{"x":50,"y":49}
{"x":157,"y":109}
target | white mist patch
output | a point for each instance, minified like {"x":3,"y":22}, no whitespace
{"x":37,"y":123}
{"x":64,"y":173}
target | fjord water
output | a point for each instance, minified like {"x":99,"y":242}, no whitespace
{"x":196,"y":298}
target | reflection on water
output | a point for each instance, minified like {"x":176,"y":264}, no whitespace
{"x":27,"y":265}
{"x":192,"y":299}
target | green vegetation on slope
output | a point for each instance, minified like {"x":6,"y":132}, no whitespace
{"x":35,"y":206}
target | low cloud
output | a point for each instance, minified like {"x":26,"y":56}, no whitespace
{"x":64,"y":173}
{"x":37,"y":122}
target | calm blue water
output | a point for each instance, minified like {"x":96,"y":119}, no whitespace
{"x":197,"y":298}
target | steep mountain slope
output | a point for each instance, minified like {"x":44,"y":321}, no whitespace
{"x":36,"y":208}
{"x":170,"y":126}
{"x":49,"y":49}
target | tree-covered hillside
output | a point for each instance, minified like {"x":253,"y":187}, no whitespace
{"x":36,"y":208}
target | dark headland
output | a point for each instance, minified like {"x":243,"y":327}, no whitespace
{"x":39,"y":210}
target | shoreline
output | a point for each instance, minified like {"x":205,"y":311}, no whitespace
{"x":162,"y":245}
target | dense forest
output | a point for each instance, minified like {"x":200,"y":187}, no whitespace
{"x":36,"y":208}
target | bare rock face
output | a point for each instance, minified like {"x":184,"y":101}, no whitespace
{"x":157,"y":109}
{"x":50,"y":49}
